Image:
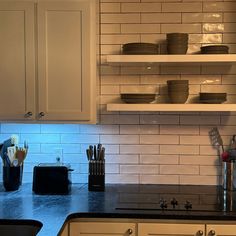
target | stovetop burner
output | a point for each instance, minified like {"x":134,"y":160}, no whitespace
{"x":177,"y":198}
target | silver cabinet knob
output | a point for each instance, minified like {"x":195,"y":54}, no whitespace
{"x":200,"y":233}
{"x":212,"y":233}
{"x":130,"y":231}
{"x":41,"y":114}
{"x":28,"y":114}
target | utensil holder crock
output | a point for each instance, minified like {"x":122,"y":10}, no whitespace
{"x":12,"y":177}
{"x":96,"y":175}
{"x":229,"y":176}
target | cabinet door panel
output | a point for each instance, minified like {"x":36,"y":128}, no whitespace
{"x":222,"y":230}
{"x":158,"y":229}
{"x":17,"y":64}
{"x":64,"y":60}
{"x":101,"y":229}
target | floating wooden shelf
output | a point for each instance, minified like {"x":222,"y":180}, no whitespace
{"x":195,"y":58}
{"x":171,"y":107}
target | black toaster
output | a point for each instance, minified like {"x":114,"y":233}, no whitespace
{"x":52,"y":179}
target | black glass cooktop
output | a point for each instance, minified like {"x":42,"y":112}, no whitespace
{"x":175,"y":198}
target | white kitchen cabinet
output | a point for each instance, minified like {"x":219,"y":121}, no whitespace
{"x":60,"y":84}
{"x":139,"y":227}
{"x":17,"y":61}
{"x":221,"y":230}
{"x":66,"y":60}
{"x":102,"y":229}
{"x":167,"y":229}
{"x":65,"y":231}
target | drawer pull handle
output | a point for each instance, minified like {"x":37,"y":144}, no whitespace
{"x":200,"y":233}
{"x":28,"y":114}
{"x":212,"y":233}
{"x":130,"y":231}
{"x":41,"y":114}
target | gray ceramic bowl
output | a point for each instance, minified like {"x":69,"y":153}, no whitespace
{"x":178,"y":81}
{"x":178,"y":97}
{"x":176,"y":35}
{"x":177,"y":50}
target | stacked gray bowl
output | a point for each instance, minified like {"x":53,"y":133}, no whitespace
{"x":178,"y":90}
{"x":177,"y":43}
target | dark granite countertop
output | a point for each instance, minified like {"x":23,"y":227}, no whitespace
{"x":118,"y":201}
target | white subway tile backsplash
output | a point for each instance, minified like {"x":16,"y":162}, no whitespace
{"x":117,"y":79}
{"x":119,"y":39}
{"x":109,"y":7}
{"x":210,"y":170}
{"x":219,"y":6}
{"x":120,"y":119}
{"x":179,"y":169}
{"x":159,"y":139}
{"x":59,"y":128}
{"x":139,"y":149}
{"x":20,"y":128}
{"x":229,"y":38}
{"x":79,"y":138}
{"x":141,"y":7}
{"x":140,"y":28}
{"x":194,"y":17}
{"x":119,"y":139}
{"x":209,"y":150}
{"x":160,"y":179}
{"x":110,"y":89}
{"x":139,"y":169}
{"x":148,"y":147}
{"x":179,"y":149}
{"x":182,"y":7}
{"x":159,"y":119}
{"x":209,"y":38}
{"x":120,"y":18}
{"x":192,"y":139}
{"x":139,"y":129}
{"x":122,"y":178}
{"x":179,"y":129}
{"x":215,"y":28}
{"x":159,"y":159}
{"x":160,"y":18}
{"x":41,"y":138}
{"x":200,"y":120}
{"x":206,"y":160}
{"x":181,"y":28}
{"x":229,"y":17}
{"x":122,"y":159}
{"x":110,"y":29}
{"x":198,"y":179}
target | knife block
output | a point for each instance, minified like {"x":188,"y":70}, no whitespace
{"x":96,"y":177}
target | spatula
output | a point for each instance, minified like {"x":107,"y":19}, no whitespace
{"x":216,"y":139}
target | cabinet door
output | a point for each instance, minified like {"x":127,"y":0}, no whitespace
{"x":145,"y":229}
{"x":66,"y":65}
{"x":101,"y":229}
{"x":221,"y":230}
{"x":17,"y":61}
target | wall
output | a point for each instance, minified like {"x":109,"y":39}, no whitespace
{"x":148,"y":148}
